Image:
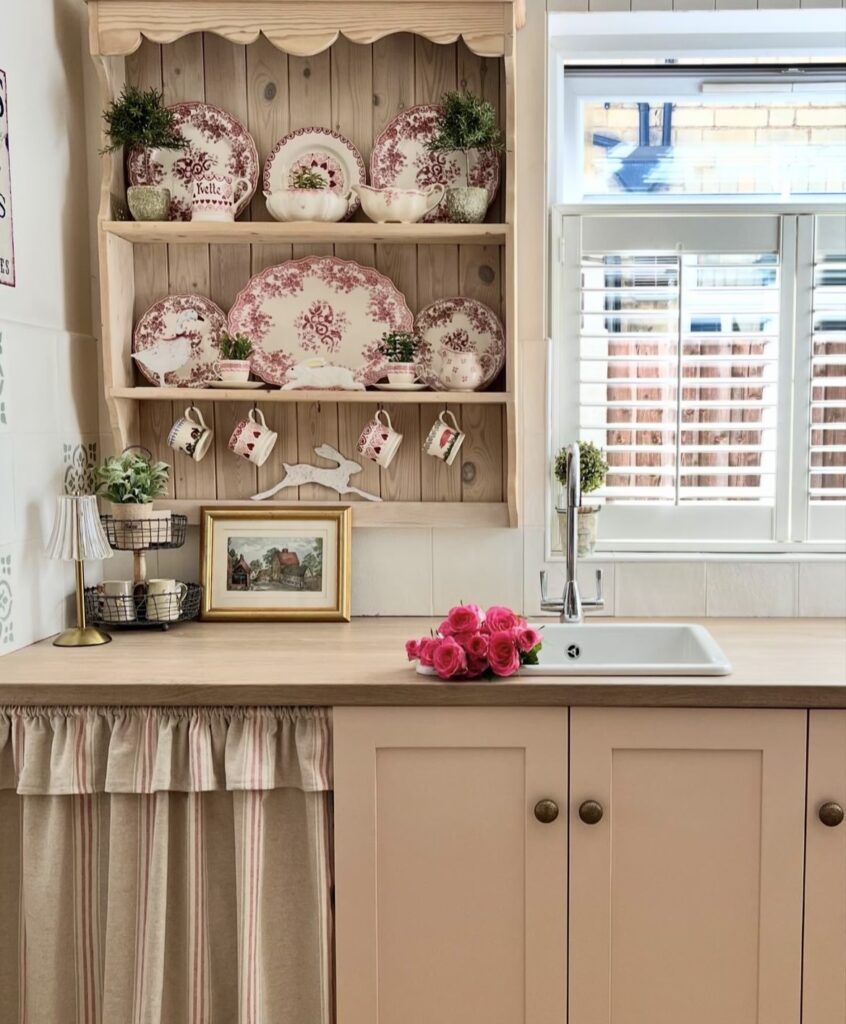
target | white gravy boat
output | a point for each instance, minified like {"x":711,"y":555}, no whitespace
{"x":403,"y":205}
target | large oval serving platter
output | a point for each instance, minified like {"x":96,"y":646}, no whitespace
{"x":400,"y":159}
{"x":329,"y":153}
{"x":459,"y":325}
{"x":166,"y":324}
{"x":319,"y":307}
{"x":218,"y":143}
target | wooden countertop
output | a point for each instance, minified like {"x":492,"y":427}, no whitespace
{"x":776,"y":663}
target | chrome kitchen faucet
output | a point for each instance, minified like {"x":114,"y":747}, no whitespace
{"x":571,"y":605}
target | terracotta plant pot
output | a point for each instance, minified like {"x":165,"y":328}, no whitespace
{"x":148,"y":202}
{"x":587,"y":531}
{"x":466,"y":204}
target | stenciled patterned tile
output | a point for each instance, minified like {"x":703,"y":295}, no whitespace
{"x":7,"y":625}
{"x":4,"y":419}
{"x":80,"y":460}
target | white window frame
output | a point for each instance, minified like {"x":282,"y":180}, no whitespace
{"x":644,"y":35}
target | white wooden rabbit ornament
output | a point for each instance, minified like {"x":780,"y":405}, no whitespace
{"x":336,"y":479}
{"x":317,"y":373}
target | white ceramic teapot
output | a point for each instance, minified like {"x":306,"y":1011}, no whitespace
{"x":324,"y":204}
{"x":402,"y":205}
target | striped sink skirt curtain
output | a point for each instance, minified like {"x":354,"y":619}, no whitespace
{"x":165,"y":866}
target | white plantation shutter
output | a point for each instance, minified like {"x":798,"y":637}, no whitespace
{"x":677,"y":331}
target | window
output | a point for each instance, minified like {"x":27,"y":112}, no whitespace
{"x":707,"y":355}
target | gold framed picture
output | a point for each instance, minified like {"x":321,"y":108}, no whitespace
{"x":286,"y":564}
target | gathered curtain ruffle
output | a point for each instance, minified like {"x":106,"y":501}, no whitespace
{"x":58,"y":751}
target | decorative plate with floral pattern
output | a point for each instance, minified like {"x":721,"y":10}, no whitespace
{"x":451,"y":326}
{"x":162,"y":332}
{"x":400,"y":159}
{"x":319,"y":307}
{"x":218,"y":143}
{"x":329,"y":153}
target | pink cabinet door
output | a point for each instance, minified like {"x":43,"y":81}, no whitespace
{"x":450,"y":894}
{"x":825,"y":878}
{"x":686,"y":895}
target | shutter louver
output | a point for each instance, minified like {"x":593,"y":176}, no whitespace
{"x":827,"y":481}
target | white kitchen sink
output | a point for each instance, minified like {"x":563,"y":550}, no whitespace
{"x":628,"y":649}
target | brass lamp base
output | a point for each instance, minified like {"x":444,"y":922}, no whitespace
{"x":87,"y":636}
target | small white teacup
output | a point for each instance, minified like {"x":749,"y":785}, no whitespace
{"x":190,"y":434}
{"x":116,"y":600}
{"x":232,"y":369}
{"x":253,"y":439}
{"x":165,"y":599}
{"x":379,"y":441}
{"x":444,"y":439}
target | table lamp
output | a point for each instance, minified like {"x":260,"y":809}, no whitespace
{"x":77,"y":535}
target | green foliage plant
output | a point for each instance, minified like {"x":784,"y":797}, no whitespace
{"x":235,"y":346}
{"x":466,"y":122}
{"x":306,"y":178}
{"x":399,"y":346}
{"x":138,"y":118}
{"x":131,"y":478}
{"x":592,"y":467}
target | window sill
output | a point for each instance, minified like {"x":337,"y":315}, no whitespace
{"x":774,"y":553}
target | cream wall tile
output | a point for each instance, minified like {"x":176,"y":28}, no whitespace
{"x":482,"y":567}
{"x":41,"y":590}
{"x":179,"y":563}
{"x":666,"y":589}
{"x":8,"y":529}
{"x":4,"y":385}
{"x":756,"y":590}
{"x":392,"y":572}
{"x":77,"y":394}
{"x":29,"y":363}
{"x":533,"y":562}
{"x":39,"y":478}
{"x":822,"y":589}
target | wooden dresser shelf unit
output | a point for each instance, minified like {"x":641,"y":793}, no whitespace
{"x":278,"y":67}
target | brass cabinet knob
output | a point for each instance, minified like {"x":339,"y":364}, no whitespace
{"x":831,"y":813}
{"x":591,"y":812}
{"x":546,"y":811}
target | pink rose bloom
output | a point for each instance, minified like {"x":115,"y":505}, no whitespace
{"x":445,"y":629}
{"x":503,"y":655}
{"x":412,"y":650}
{"x":425,"y":650}
{"x":476,"y":667}
{"x":477,"y":647}
{"x":464,"y":619}
{"x":449,"y":659}
{"x":464,"y":639}
{"x":499,"y":620}
{"x":527,"y":638}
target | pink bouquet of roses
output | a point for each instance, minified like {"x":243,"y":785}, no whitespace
{"x":470,"y":644}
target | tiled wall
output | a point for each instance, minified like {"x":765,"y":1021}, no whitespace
{"x":48,"y":364}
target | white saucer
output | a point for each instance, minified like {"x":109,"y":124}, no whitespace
{"x":237,"y":385}
{"x":400,"y":387}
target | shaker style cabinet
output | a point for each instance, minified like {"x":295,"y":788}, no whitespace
{"x":451,"y":865}
{"x":824,"y":989}
{"x":686,"y":866}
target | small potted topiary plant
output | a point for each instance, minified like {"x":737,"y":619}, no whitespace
{"x":592,"y":472}
{"x":399,"y":349}
{"x":235,"y":351}
{"x":138,"y":119}
{"x":132,"y":482}
{"x":466,"y":124}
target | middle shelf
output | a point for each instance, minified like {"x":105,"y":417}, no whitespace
{"x":276,"y":395}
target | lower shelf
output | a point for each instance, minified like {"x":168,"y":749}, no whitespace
{"x":442,"y":514}
{"x":268,"y":394}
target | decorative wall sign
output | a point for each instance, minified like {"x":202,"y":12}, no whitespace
{"x":7,"y":242}
{"x":337,"y":479}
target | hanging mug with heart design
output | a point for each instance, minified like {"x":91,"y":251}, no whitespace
{"x":379,"y":442}
{"x":253,"y":439}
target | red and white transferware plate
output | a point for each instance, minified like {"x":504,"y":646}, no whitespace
{"x":218,"y":143}
{"x":319,"y":308}
{"x":400,"y":159}
{"x":452,"y":327}
{"x":328,"y":153}
{"x":179,"y":326}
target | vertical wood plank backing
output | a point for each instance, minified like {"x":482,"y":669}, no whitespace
{"x":155,"y":421}
{"x":195,"y":479}
{"x":393,"y":78}
{"x":317,"y":423}
{"x":268,"y":120}
{"x":824,"y":981}
{"x":481,"y":453}
{"x":282,"y":418}
{"x":401,"y":480}
{"x":438,"y":481}
{"x":236,"y":477}
{"x":225,"y":67}
{"x":351,"y":420}
{"x":183,"y":78}
{"x":481,"y":75}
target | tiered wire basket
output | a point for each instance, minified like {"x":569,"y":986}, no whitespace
{"x":142,"y":609}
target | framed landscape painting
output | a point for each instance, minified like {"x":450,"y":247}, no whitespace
{"x":276,"y":564}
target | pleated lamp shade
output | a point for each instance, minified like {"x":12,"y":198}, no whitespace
{"x":77,"y":533}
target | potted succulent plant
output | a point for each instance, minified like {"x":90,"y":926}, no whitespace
{"x":399,"y":349}
{"x":592,"y":473}
{"x":138,"y":119}
{"x":235,"y":351}
{"x":308,"y":198}
{"x":132,"y":481}
{"x":467,"y":123}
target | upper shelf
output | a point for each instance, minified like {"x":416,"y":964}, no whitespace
{"x":270,"y":232}
{"x":253,"y":395}
{"x":303,"y":29}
